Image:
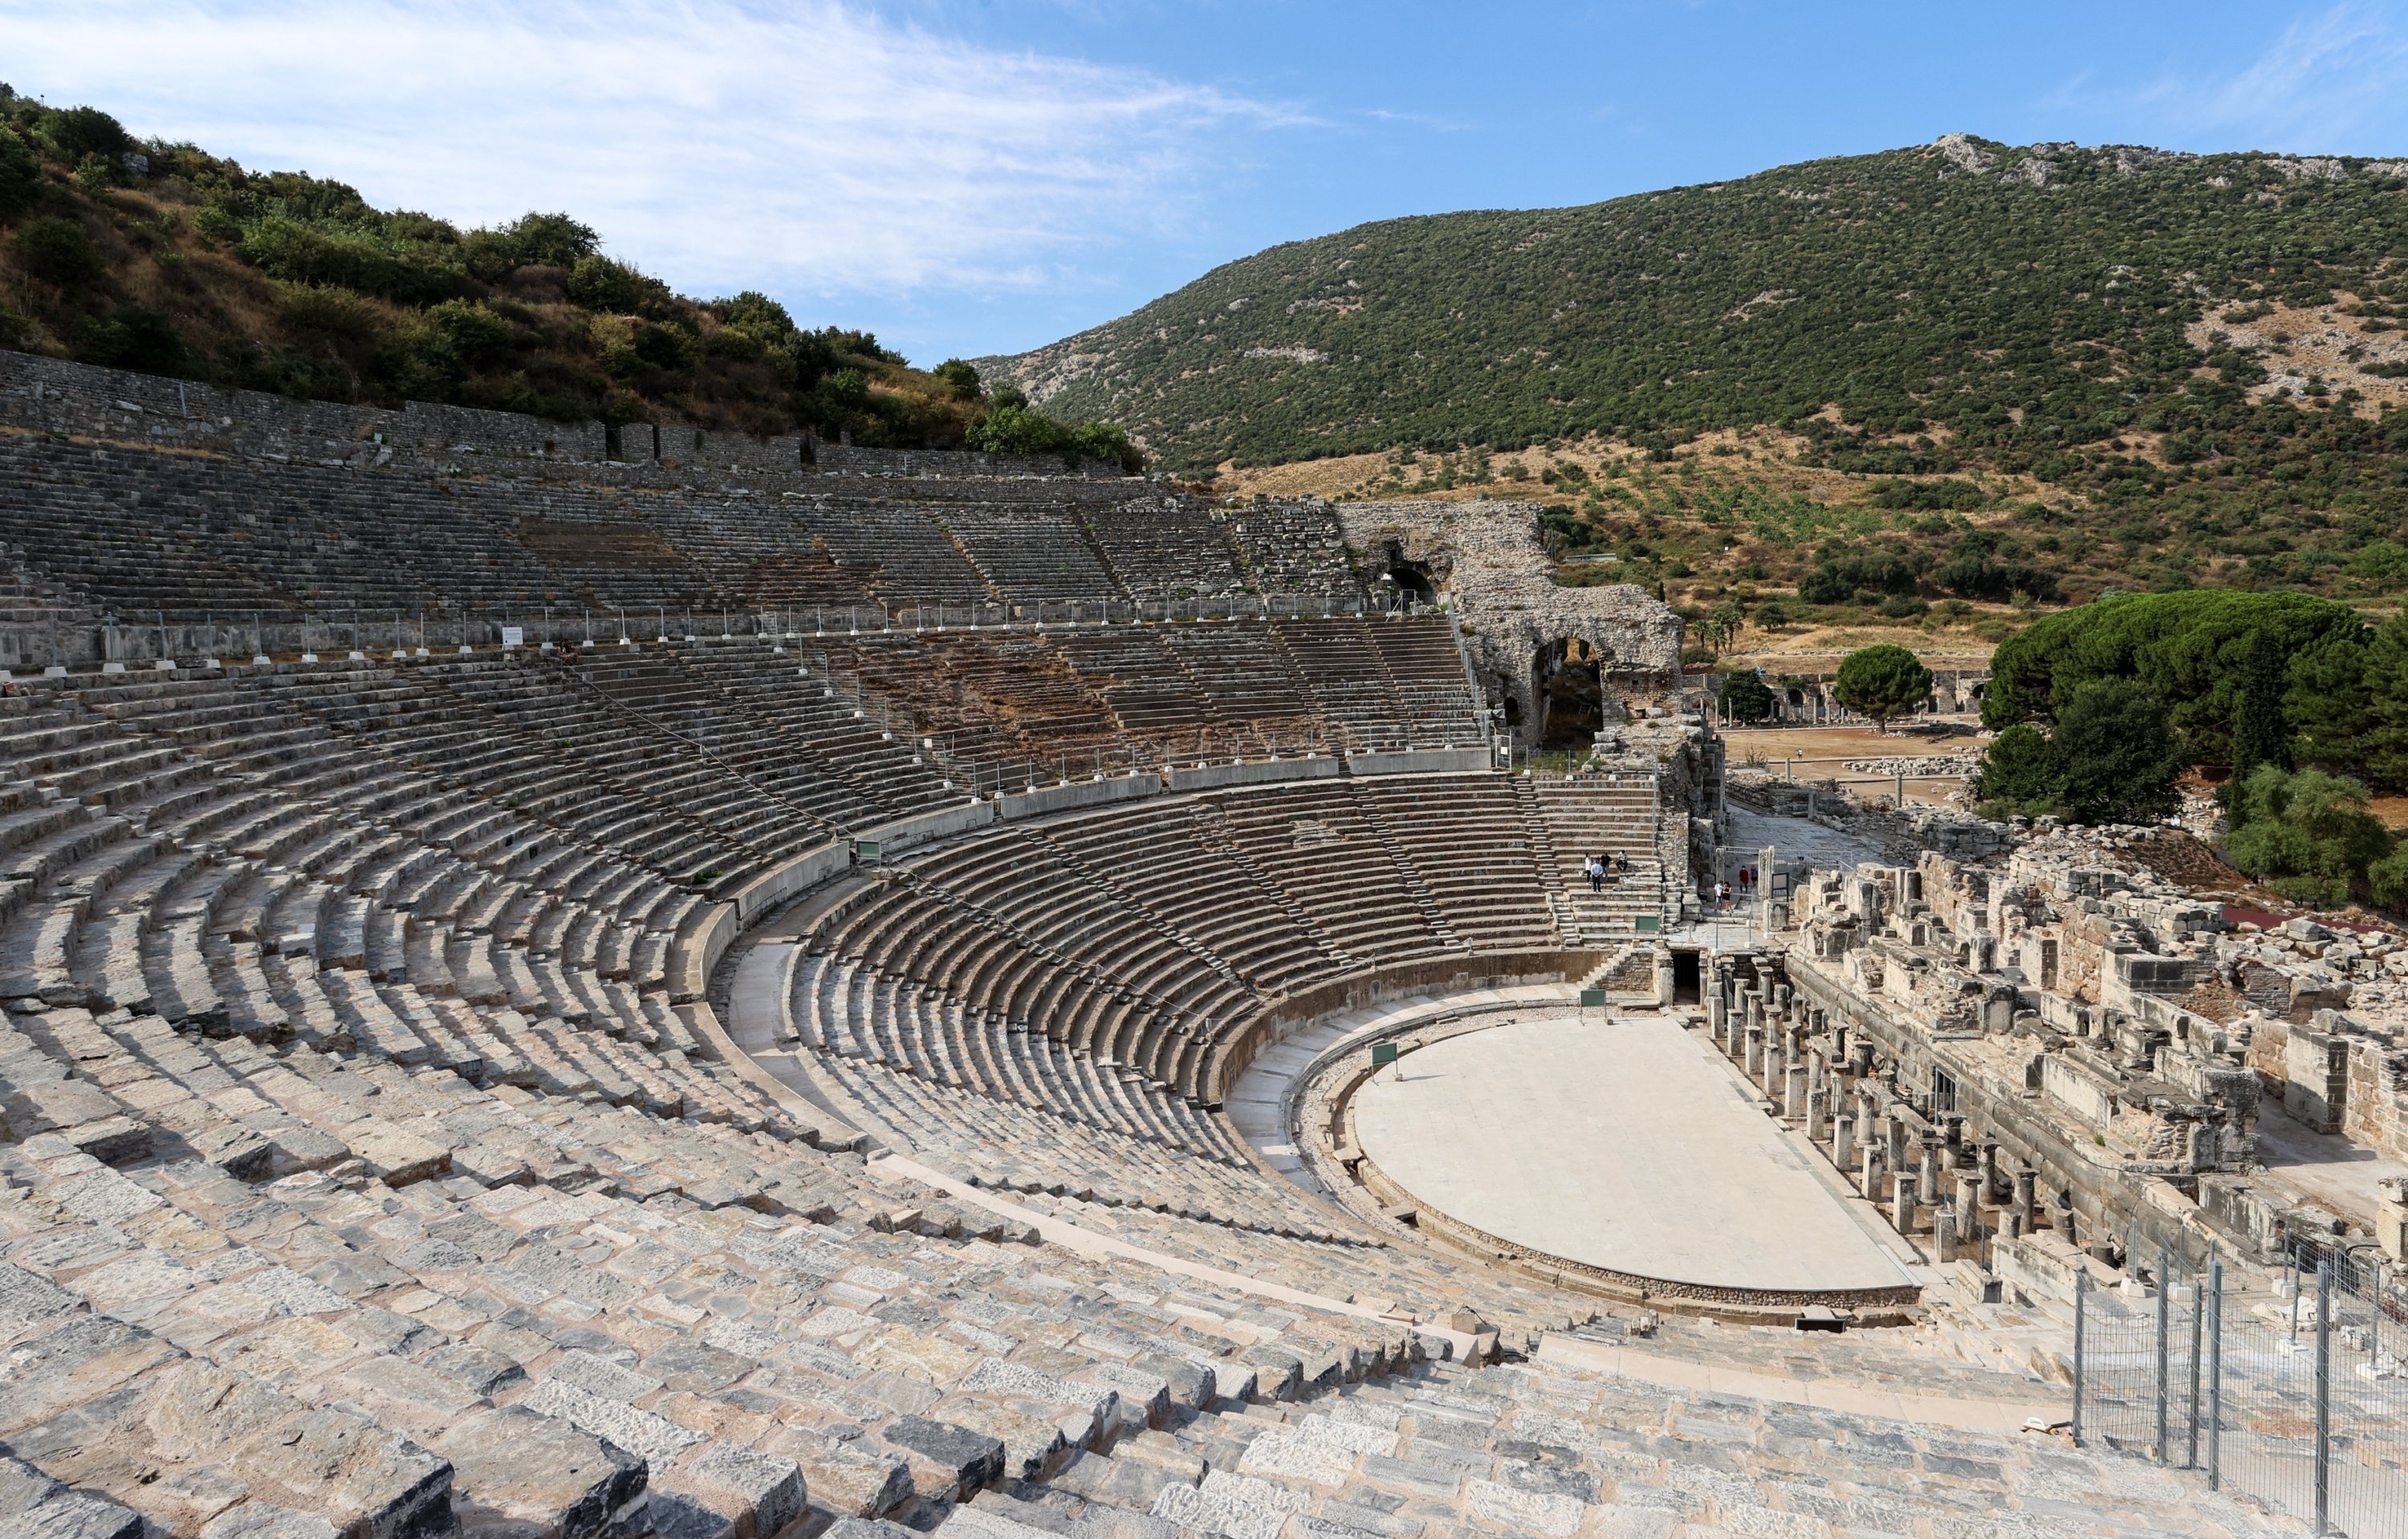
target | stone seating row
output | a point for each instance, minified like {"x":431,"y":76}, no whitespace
{"x":1539,"y":1449}
{"x":412,"y":1296}
{"x":186,"y":535}
{"x":1147,"y":936}
{"x":1291,"y":546}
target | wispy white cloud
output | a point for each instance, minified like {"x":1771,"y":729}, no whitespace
{"x":2323,"y":84}
{"x":812,"y":148}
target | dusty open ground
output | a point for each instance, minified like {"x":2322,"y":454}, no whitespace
{"x":1820,"y":753}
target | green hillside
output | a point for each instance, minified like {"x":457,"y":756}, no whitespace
{"x":163,"y":258}
{"x":2191,"y":359}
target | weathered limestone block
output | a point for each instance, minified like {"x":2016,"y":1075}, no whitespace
{"x":757,"y":1494}
{"x":33,"y":1504}
{"x":960,"y":1460}
{"x":518,"y":1471}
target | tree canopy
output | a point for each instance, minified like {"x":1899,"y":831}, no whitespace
{"x":1883,"y":683}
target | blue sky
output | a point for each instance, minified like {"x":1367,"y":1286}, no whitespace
{"x":966,"y":177}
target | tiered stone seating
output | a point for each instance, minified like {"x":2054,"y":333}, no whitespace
{"x":1096,"y":966}
{"x":1164,"y":548}
{"x":1291,"y":547}
{"x":549,"y":1313}
{"x":1534,"y":1449}
{"x":372,"y":1158}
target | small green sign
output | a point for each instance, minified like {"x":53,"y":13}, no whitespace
{"x":864,"y":852}
{"x":1383,"y":1053}
{"x":1649,"y":924}
{"x":1591,"y":997}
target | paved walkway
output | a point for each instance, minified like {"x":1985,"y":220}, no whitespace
{"x":2325,"y":1169}
{"x":1750,"y":832}
{"x":1622,"y":1142}
{"x":1992,"y":1416}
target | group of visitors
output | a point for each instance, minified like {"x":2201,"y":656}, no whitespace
{"x":1602,"y":869}
{"x":1722,"y":895}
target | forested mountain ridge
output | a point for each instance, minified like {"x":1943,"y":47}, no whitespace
{"x":2193,"y":356}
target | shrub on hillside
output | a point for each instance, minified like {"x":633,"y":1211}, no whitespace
{"x":131,"y":337}
{"x":960,"y":378}
{"x":80,"y":132}
{"x":21,"y":175}
{"x":57,"y":250}
{"x":597,"y":283}
{"x":2307,"y":834}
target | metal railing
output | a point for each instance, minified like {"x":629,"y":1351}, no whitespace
{"x":2295,"y":1394}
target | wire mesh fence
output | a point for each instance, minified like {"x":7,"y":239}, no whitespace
{"x":2293,"y":1393}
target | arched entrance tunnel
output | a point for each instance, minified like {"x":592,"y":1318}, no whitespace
{"x":1571,"y":695}
{"x":1412,"y":580}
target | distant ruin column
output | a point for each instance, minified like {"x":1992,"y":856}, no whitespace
{"x":1818,"y":1108}
{"x":2025,"y":1178}
{"x":1844,"y":1142}
{"x":1989,"y":1170}
{"x":1895,"y":1156}
{"x":1930,"y":1174}
{"x":1902,"y":1200}
{"x":1943,"y":1234}
{"x":1755,"y":1052}
{"x":1869,"y":1171}
{"x":1793,"y":1093}
{"x":1968,"y":1205}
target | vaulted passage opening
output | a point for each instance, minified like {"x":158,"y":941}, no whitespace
{"x":1571,"y":695}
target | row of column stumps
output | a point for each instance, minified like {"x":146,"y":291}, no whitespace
{"x":1821,"y":1077}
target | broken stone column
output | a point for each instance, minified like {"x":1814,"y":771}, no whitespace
{"x":2025,"y":1178}
{"x":1793,"y":1093}
{"x":1969,"y":1205}
{"x":1755,"y":1052}
{"x":1895,"y":1156}
{"x":1902,"y":1200}
{"x":1989,"y":1170}
{"x":1869,"y":1171}
{"x":1818,"y":1109}
{"x":2391,"y":1219}
{"x":1844,"y":1142}
{"x":1943,"y":1234}
{"x":1929,"y":1174}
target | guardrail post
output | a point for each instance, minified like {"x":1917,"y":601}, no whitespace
{"x":2216,"y":1375}
{"x":2080,"y":1321}
{"x":2324,"y":1397}
{"x":2161,"y":1352}
{"x":2190,"y":1455}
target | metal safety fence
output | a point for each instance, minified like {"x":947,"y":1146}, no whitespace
{"x":2294,"y":1393}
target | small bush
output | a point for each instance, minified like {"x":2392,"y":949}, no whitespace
{"x":599,"y":283}
{"x":131,"y":337}
{"x":960,"y":378}
{"x":2308,"y":829}
{"x":82,"y":131}
{"x":20,"y":176}
{"x":57,"y":250}
{"x":215,"y":223}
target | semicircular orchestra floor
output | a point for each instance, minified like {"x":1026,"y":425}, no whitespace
{"x":1623,"y":1143}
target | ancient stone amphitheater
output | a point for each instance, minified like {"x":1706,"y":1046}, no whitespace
{"x":619,"y":981}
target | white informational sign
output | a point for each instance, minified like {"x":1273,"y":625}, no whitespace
{"x":513,"y":636}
